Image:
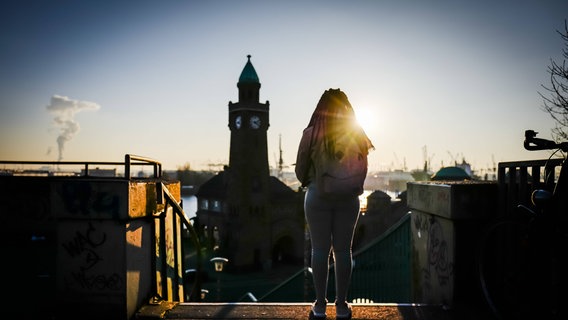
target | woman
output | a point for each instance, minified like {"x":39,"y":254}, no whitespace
{"x":331,"y":220}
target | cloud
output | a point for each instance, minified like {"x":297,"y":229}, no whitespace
{"x":63,"y":110}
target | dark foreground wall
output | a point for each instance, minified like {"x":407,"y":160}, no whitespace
{"x":78,"y":247}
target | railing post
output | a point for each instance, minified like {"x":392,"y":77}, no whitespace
{"x":178,"y":221}
{"x":127,"y":166}
{"x":535,"y":172}
{"x":549,"y":176}
{"x":517,"y":189}
{"x":512,"y":190}
{"x":524,"y":188}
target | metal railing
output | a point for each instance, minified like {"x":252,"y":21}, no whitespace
{"x":176,"y":271}
{"x":129,"y":161}
{"x":518,"y":179}
{"x":142,"y":161}
{"x":382,"y":272}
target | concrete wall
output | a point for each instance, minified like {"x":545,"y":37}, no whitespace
{"x":447,"y":217}
{"x":92,"y":256}
{"x":433,"y":252}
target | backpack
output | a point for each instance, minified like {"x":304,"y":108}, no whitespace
{"x":344,"y":173}
{"x":303,"y":157}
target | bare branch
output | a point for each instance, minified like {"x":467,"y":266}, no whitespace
{"x":555,"y":101}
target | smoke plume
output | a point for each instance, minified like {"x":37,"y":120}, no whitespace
{"x":63,"y":110}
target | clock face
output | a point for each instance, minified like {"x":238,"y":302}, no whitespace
{"x":255,"y":122}
{"x":238,"y":122}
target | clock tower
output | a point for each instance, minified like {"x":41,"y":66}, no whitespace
{"x":249,"y":176}
{"x":244,"y":214}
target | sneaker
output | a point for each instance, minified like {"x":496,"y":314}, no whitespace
{"x":317,"y":311}
{"x":343,"y":311}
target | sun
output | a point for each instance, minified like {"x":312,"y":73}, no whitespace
{"x":367,"y":118}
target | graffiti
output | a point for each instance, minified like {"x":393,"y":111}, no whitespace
{"x":98,"y":282}
{"x":438,"y":260}
{"x":76,"y":196}
{"x":442,"y":197}
{"x":431,"y":199}
{"x":105,"y":202}
{"x":83,"y":246}
{"x":420,"y":223}
{"x":437,"y":251}
{"x":84,"y":249}
{"x":170,"y":252}
{"x":79,"y":198}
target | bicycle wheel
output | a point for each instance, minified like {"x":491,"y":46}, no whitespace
{"x":503,"y":263}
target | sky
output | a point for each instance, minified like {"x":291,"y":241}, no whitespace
{"x":441,"y":81}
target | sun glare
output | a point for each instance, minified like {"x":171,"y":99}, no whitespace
{"x":367,"y":118}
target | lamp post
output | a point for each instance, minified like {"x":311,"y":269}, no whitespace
{"x":204,"y":293}
{"x":219,"y":263}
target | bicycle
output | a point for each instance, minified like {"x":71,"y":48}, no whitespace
{"x":522,"y":274}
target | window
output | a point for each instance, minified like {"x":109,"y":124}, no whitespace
{"x":216,"y":206}
{"x":203,"y":204}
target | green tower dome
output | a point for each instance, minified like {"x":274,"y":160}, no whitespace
{"x":249,"y":74}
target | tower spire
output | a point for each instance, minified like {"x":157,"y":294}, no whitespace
{"x":280,"y":161}
{"x":248,"y":75}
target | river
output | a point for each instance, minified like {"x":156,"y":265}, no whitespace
{"x":189,"y":205}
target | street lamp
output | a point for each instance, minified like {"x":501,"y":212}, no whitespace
{"x":204,"y":293}
{"x":219,"y":263}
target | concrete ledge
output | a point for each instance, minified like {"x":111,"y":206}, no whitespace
{"x":251,"y":311}
{"x":454,"y":200}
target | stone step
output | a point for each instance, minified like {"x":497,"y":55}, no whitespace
{"x":252,"y":310}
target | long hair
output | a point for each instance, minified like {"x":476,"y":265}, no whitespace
{"x":334,"y":116}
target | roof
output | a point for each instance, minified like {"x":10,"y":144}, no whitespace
{"x":279,"y":191}
{"x":379,"y":194}
{"x":451,"y":173}
{"x":216,"y":187}
{"x":249,"y":74}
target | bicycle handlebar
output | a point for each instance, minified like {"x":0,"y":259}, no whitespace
{"x":533,"y":143}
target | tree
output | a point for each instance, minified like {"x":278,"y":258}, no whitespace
{"x":188,"y":177}
{"x":184,"y":174}
{"x":556,"y":97}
